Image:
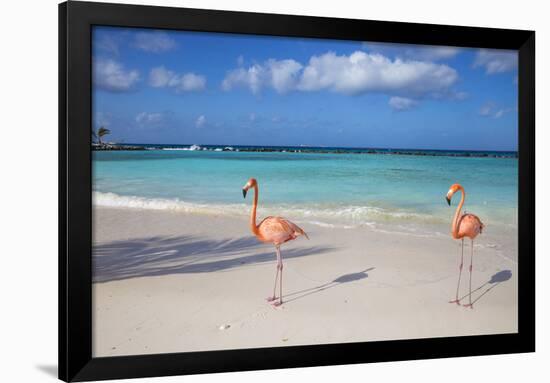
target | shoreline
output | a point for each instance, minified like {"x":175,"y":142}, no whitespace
{"x":172,"y":282}
{"x":498,"y":235}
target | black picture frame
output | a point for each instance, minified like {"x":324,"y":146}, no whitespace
{"x":75,"y":199}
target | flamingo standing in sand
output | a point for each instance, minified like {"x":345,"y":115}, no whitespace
{"x":464,"y":225}
{"x":275,"y":230}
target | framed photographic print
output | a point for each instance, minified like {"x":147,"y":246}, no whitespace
{"x":247,"y":191}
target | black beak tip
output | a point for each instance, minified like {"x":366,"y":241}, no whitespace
{"x":448,"y":201}
{"x":244,"y":193}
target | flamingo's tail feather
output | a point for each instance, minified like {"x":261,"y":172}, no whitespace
{"x":302,"y":232}
{"x":297,"y":229}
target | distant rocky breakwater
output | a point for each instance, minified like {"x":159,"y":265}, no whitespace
{"x":102,"y":147}
{"x":314,"y":150}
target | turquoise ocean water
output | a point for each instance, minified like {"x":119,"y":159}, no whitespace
{"x":331,"y":188}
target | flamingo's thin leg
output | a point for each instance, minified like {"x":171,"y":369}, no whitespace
{"x":272,"y":298}
{"x":471,"y":267}
{"x":281,"y":285}
{"x":456,"y":300}
{"x":279,"y":269}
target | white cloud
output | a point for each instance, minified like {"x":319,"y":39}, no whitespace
{"x":486,"y":109}
{"x":250,"y":78}
{"x":201,"y":120}
{"x":357,"y":73}
{"x":161,"y":77}
{"x":361,"y":72}
{"x":191,"y":82}
{"x":501,"y":112}
{"x":496,"y":61}
{"x":402,"y":103}
{"x":154,"y":42}
{"x":112,"y":76}
{"x":281,"y":75}
{"x":490,"y":109}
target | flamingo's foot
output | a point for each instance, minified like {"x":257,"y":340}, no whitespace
{"x":270,"y":299}
{"x":277,"y":303}
{"x":470,"y":305}
{"x":457,"y":301}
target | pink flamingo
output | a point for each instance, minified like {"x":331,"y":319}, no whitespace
{"x":465,"y":225}
{"x":275,"y":230}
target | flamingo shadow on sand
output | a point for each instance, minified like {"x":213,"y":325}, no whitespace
{"x":496,"y":279}
{"x":346,"y":278}
{"x":155,"y":256}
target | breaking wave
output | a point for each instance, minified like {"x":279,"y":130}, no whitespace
{"x":324,"y":215}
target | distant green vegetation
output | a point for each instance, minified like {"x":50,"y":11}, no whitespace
{"x":102,"y":131}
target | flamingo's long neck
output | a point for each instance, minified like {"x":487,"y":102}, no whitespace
{"x":253,"y":226}
{"x":454,"y":229}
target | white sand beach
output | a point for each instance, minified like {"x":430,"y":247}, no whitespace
{"x":175,"y":282}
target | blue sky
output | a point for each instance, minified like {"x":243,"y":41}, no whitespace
{"x":204,"y":88}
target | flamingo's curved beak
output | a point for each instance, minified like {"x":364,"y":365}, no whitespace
{"x":448,"y":200}
{"x":244,"y":193}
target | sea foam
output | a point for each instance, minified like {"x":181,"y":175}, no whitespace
{"x":323,"y":215}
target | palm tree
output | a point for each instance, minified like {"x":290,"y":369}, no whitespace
{"x":102,"y":131}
